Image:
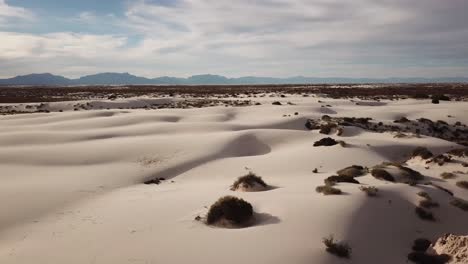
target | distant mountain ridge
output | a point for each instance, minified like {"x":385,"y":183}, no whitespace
{"x":110,"y":78}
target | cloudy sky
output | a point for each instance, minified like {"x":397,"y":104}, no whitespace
{"x":350,"y":38}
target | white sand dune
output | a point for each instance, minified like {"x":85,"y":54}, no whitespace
{"x":72,"y":184}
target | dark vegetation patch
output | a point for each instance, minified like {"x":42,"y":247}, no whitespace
{"x":336,"y":179}
{"x":339,"y":249}
{"x":422,"y":152}
{"x":424,"y":258}
{"x":248,"y":181}
{"x":460,"y":203}
{"x":154,"y":181}
{"x":424,"y":214}
{"x":462,"y":184}
{"x":371,"y":191}
{"x":448,"y":175}
{"x":325,"y":142}
{"x":352,"y":171}
{"x":328,"y":190}
{"x":234,"y":210}
{"x":382,"y":174}
{"x":421,"y":244}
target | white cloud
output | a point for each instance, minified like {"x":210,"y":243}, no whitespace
{"x":369,"y":38}
{"x":8,"y":12}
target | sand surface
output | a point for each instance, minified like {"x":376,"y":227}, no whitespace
{"x":72,"y":184}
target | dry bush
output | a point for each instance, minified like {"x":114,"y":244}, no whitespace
{"x":462,"y":184}
{"x":448,"y":175}
{"x":352,"y":171}
{"x":232,"y":209}
{"x":335,"y":179}
{"x":340,"y":249}
{"x":460,"y":203}
{"x":424,"y":214}
{"x":328,"y":190}
{"x":421,"y":244}
{"x":248,"y":181}
{"x":422,"y":152}
{"x":382,"y":174}
{"x":326,"y":142}
{"x":371,"y":191}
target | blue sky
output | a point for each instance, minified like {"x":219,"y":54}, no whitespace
{"x":359,"y":38}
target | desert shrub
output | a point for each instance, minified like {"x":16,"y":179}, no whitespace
{"x":441,"y":97}
{"x":424,"y":258}
{"x":424,"y":195}
{"x":328,"y":190}
{"x":421,"y":244}
{"x":422,"y":152}
{"x":428,"y":203}
{"x":312,"y":124}
{"x":462,"y":184}
{"x":335,"y":179}
{"x":448,"y":175}
{"x":230,"y":208}
{"x":424,"y":214}
{"x":325,"y":142}
{"x":276,"y":103}
{"x":370,"y":190}
{"x":340,"y":249}
{"x":249,"y":181}
{"x":352,"y":171}
{"x":382,"y":174}
{"x":459,"y":152}
{"x":460,"y":203}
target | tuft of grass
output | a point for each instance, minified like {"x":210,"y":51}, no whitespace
{"x":340,"y":249}
{"x":249,"y":180}
{"x":230,"y":208}
{"x":462,"y":184}
{"x":371,"y":191}
{"x":328,"y":190}
{"x":460,"y":203}
{"x":424,"y":214}
{"x":448,"y":175}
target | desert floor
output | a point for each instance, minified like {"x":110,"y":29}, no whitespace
{"x":72,"y":182}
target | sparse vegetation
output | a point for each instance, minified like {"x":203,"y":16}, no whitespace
{"x":424,"y":214}
{"x":421,"y":244}
{"x":460,"y":203}
{"x":352,"y":171}
{"x":371,"y":191}
{"x":234,"y":210}
{"x":382,"y":174}
{"x":462,"y":184}
{"x":424,"y":195}
{"x":340,"y":249}
{"x":448,"y":175}
{"x":328,"y":190}
{"x":428,"y":203}
{"x":422,"y":152}
{"x":424,"y":258}
{"x":335,"y":179}
{"x":249,"y":181}
{"x":326,"y":142}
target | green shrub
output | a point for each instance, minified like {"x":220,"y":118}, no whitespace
{"x":340,"y":249}
{"x":370,"y":190}
{"x":233,"y":209}
{"x":328,"y":190}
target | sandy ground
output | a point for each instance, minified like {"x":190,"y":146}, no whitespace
{"x":72,"y":184}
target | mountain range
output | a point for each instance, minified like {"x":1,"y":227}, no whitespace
{"x":126,"y":78}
